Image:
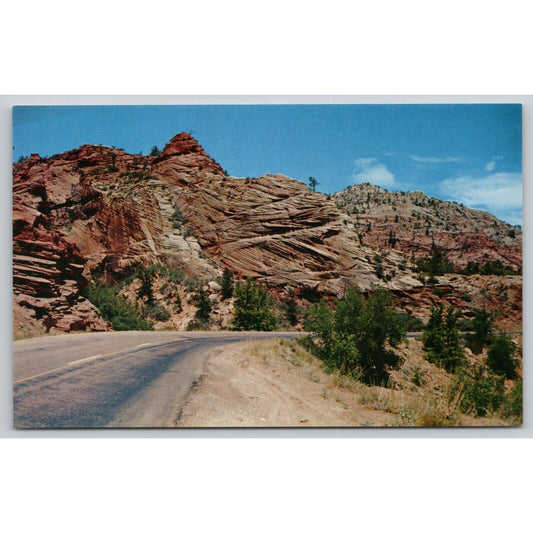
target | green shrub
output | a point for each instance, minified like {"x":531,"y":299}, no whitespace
{"x":253,"y":308}
{"x":156,"y":312}
{"x":115,"y":308}
{"x":500,"y":357}
{"x":481,"y":330}
{"x":145,"y":290}
{"x":178,"y":218}
{"x":196,"y":325}
{"x":411,"y":323}
{"x":513,"y":406}
{"x":442,"y":340}
{"x":291,"y":308}
{"x":352,"y":337}
{"x":477,"y":392}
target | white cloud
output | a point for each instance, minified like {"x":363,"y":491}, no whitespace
{"x":419,"y":159}
{"x":371,"y":170}
{"x":489,"y":167}
{"x":499,"y":193}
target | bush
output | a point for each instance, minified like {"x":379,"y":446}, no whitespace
{"x":477,"y":392}
{"x":500,"y":357}
{"x":195,"y":325}
{"x":115,"y":308}
{"x":178,"y":218}
{"x":411,"y":323}
{"x":513,"y":406}
{"x":435,"y":264}
{"x":482,"y":330}
{"x":442,"y":340}
{"x":352,"y":337}
{"x":253,"y":308}
{"x":156,"y":312}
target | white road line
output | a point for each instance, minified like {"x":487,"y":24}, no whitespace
{"x":144,"y":344}
{"x":86,"y":359}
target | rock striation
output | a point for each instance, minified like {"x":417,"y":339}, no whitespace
{"x":411,"y":222}
{"x":99,"y":213}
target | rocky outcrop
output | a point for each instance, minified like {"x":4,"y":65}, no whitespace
{"x":278,"y":230}
{"x":98,"y":213}
{"x":412,"y":222}
{"x":47,"y":279}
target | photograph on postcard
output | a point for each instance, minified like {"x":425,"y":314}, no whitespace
{"x":267,"y":266}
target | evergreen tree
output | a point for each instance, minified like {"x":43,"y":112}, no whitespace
{"x":442,"y":340}
{"x":145,"y":290}
{"x":227,"y":284}
{"x":155,"y":152}
{"x":500,"y":357}
{"x":292,"y":309}
{"x":203,"y":304}
{"x":482,"y":330}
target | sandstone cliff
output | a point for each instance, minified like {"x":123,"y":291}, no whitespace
{"x":98,"y":213}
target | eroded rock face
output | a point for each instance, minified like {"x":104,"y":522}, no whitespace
{"x":412,"y":222}
{"x":98,"y":213}
{"x":47,"y":269}
{"x":276,"y":229}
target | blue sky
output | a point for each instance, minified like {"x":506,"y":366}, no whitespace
{"x":469,"y":153}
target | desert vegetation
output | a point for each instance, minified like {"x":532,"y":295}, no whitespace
{"x":363,"y":338}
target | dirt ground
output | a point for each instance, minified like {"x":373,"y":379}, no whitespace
{"x":276,"y":383}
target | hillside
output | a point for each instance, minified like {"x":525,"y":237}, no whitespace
{"x":411,"y":222}
{"x":97,"y":213}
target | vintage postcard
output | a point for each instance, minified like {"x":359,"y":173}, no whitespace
{"x":276,"y":266}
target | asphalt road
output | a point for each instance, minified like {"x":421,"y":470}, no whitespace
{"x":119,"y":379}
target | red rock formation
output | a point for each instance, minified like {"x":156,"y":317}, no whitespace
{"x":412,"y":222}
{"x":99,"y":213}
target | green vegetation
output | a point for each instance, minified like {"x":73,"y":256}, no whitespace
{"x":494,"y":268}
{"x":512,"y":409}
{"x":253,"y":308}
{"x":352,"y":336}
{"x":115,"y":308}
{"x":203,"y":304}
{"x":313,"y":183}
{"x":411,"y":323}
{"x":178,"y":218}
{"x":477,"y":392}
{"x":442,"y":340}
{"x":500,"y":357}
{"x":145,"y":290}
{"x":481,"y":327}
{"x":227,"y":284}
{"x":436,"y":264}
{"x":155,"y":152}
{"x":155,"y":312}
{"x":163,"y":271}
{"x":291,"y":308}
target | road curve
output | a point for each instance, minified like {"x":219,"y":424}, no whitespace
{"x":117,"y":379}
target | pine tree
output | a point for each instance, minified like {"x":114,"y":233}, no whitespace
{"x":227,"y":284}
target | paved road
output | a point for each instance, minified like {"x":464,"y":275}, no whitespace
{"x":118,"y":379}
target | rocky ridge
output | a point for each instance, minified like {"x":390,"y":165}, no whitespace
{"x":98,"y":213}
{"x":411,"y":222}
